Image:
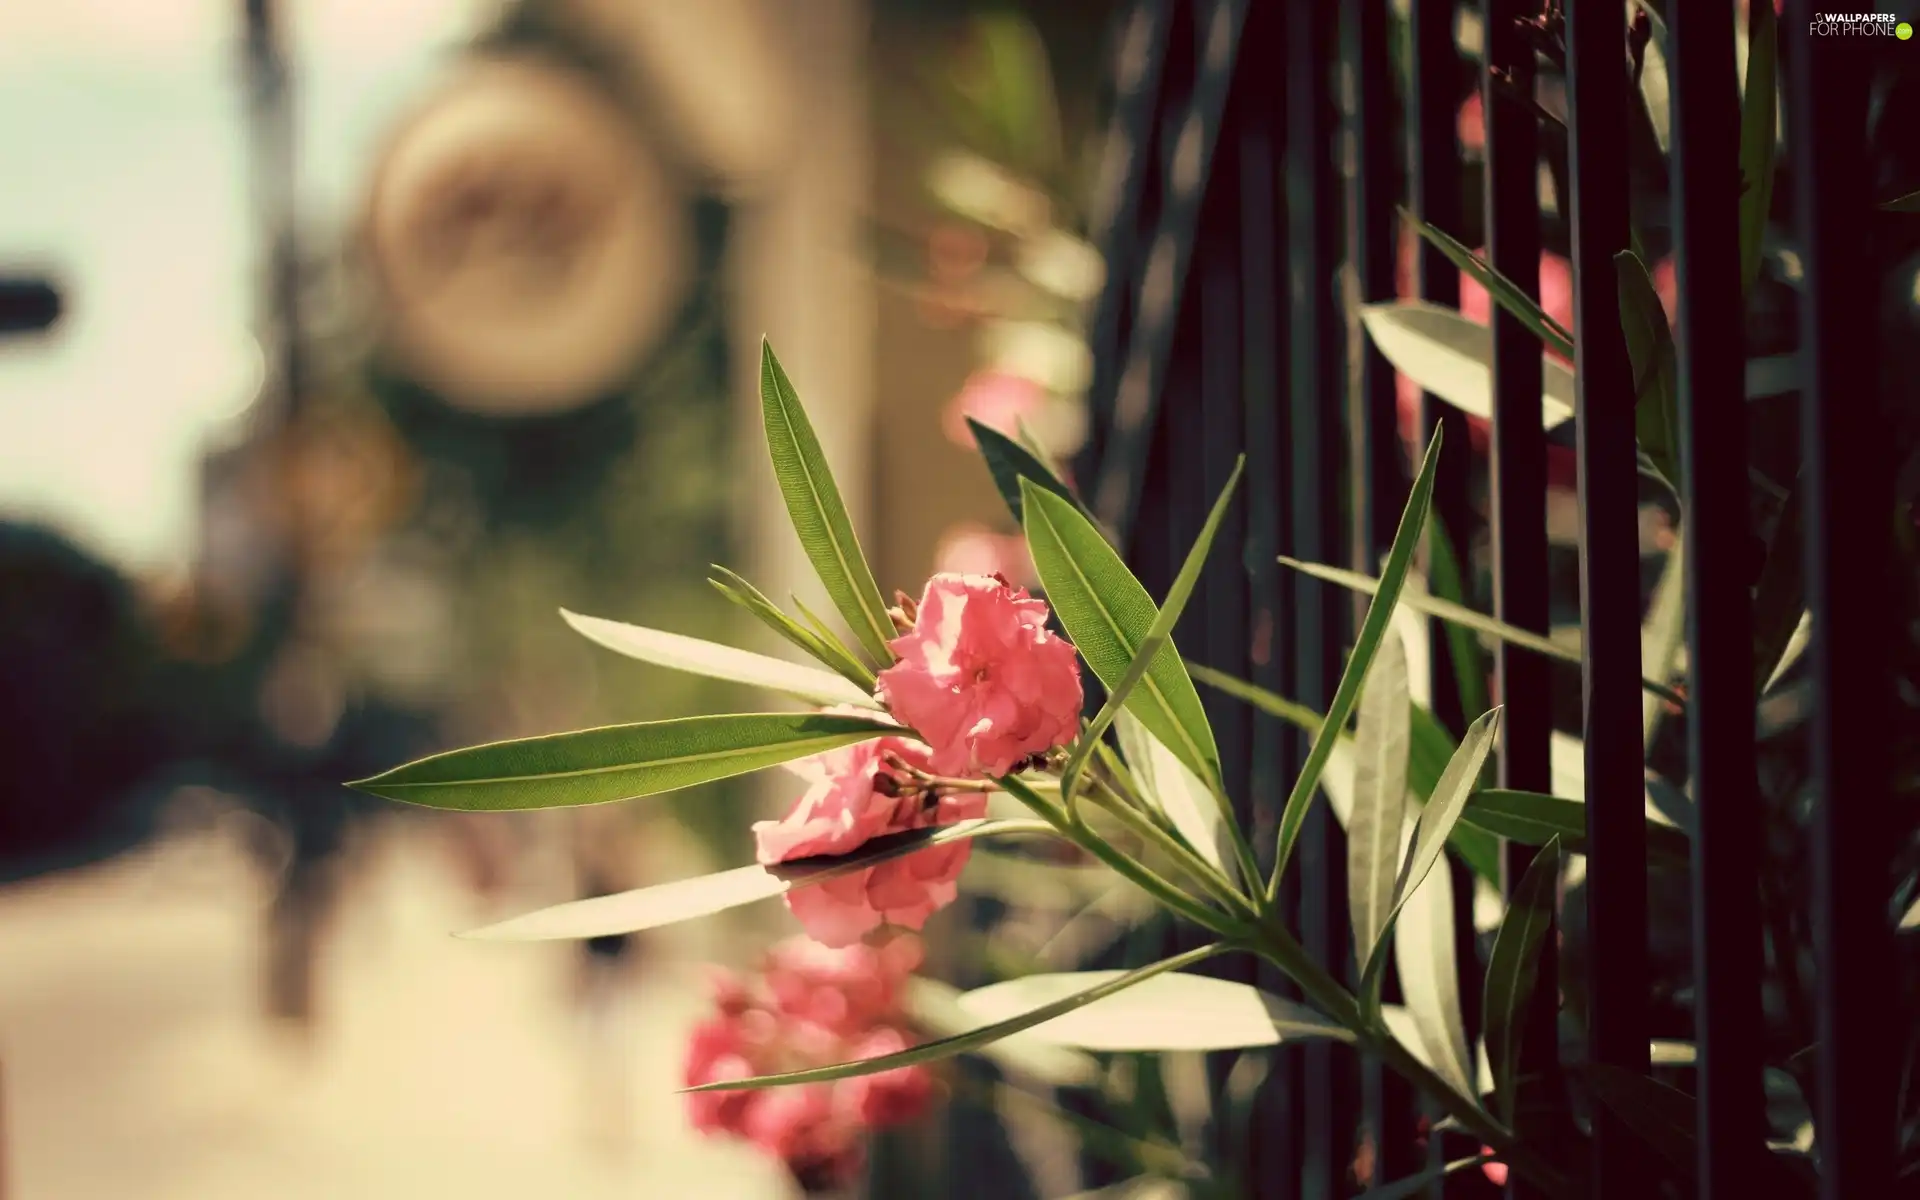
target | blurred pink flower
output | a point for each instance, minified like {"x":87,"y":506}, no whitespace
{"x":855,"y":796}
{"x":769,"y":1025}
{"x":971,"y":549}
{"x":996,"y":399}
{"x":1496,"y":1172}
{"x":982,"y":678}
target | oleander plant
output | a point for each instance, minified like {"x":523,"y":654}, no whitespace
{"x":960,"y":715}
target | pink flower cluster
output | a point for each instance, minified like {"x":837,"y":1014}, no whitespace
{"x":809,"y":1006}
{"x":983,"y":679}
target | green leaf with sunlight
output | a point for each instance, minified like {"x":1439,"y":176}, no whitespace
{"x":1479,"y":622}
{"x":616,"y":762}
{"x":819,"y":515}
{"x":1192,"y":807}
{"x":1406,"y":539}
{"x":1452,"y":356}
{"x":1172,"y":1012}
{"x":1108,"y":615}
{"x":685,"y":899}
{"x":1446,"y":582}
{"x":933,"y":1007}
{"x":976,"y":1039}
{"x":821,"y":644}
{"x":1759,"y":112}
{"x":1656,"y":409}
{"x":1437,"y":821}
{"x":1514,"y":965}
{"x":1146,"y":656}
{"x":1008,"y":462}
{"x":1507,"y":294}
{"x":1425,"y":952}
{"x":1534,"y":819}
{"x":677,"y":652}
{"x":1432,"y":747}
{"x":1381,"y":739}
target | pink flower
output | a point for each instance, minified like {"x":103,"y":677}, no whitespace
{"x":856,"y":796}
{"x":1496,"y":1172}
{"x":785,"y":1019}
{"x":982,"y":678}
{"x":996,"y":399}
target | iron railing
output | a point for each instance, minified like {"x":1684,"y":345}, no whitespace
{"x":1258,"y":153}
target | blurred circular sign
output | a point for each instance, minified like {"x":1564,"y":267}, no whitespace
{"x":526,"y":247}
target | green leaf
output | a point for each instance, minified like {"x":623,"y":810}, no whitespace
{"x":1432,"y":747}
{"x":1662,"y":1117}
{"x":1159,"y":637}
{"x":1656,"y":410}
{"x":1437,"y":821}
{"x":933,"y":1006}
{"x":821,"y":645}
{"x":1413,"y":521}
{"x":819,"y":515}
{"x":1534,"y":819}
{"x":1424,"y":945}
{"x":1452,"y":357}
{"x":835,"y":646}
{"x":697,"y":657}
{"x":1513,"y":966}
{"x":1907,"y":203}
{"x":1171,"y":1012}
{"x":1446,"y":610}
{"x":1446,"y":582}
{"x":1185,"y":801}
{"x":1505,"y":292}
{"x":1758,"y":129}
{"x":617,"y":762}
{"x":975,"y":1039}
{"x":1009,"y":462}
{"x":1664,"y":633}
{"x":1109,"y":615}
{"x":1378,"y":817}
{"x":704,"y":895}
{"x":1419,"y":1185}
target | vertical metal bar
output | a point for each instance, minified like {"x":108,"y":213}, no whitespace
{"x":1315,"y":434}
{"x":1519,"y":479}
{"x":1376,"y":463}
{"x":1848,"y":479}
{"x":1435,"y":195}
{"x":1720,"y":718}
{"x":1609,"y":570}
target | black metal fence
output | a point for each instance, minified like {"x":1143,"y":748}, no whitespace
{"x":1259,"y":151}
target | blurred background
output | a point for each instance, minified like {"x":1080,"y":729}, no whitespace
{"x":344,"y":342}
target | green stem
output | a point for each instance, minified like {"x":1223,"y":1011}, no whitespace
{"x":1198,"y":869}
{"x":1278,"y":947}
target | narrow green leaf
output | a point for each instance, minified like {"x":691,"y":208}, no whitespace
{"x":769,"y":614}
{"x":1419,"y":1185}
{"x":1447,"y":610}
{"x":1509,"y":295}
{"x":976,"y":1039}
{"x":1413,"y":521}
{"x":1171,"y":1012}
{"x":1907,"y":203}
{"x":1664,"y":633}
{"x":616,"y":762}
{"x":697,"y":657}
{"x":1009,"y":462}
{"x":1446,"y":582}
{"x":933,"y":1006}
{"x":1911,"y":920}
{"x":685,"y":899}
{"x":1437,"y":821}
{"x":1758,"y":129}
{"x":1432,"y":747}
{"x":1180,"y":795}
{"x":819,"y":515}
{"x":834,"y":644}
{"x":1534,"y":819}
{"x":1656,"y":410}
{"x":1109,"y":615}
{"x":1424,"y":950}
{"x":1451,"y":356}
{"x":1375,"y":825}
{"x":1663,"y":1117}
{"x":1513,"y":966}
{"x":1655,"y":88}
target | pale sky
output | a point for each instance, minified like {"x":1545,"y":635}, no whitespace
{"x":122,"y":148}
